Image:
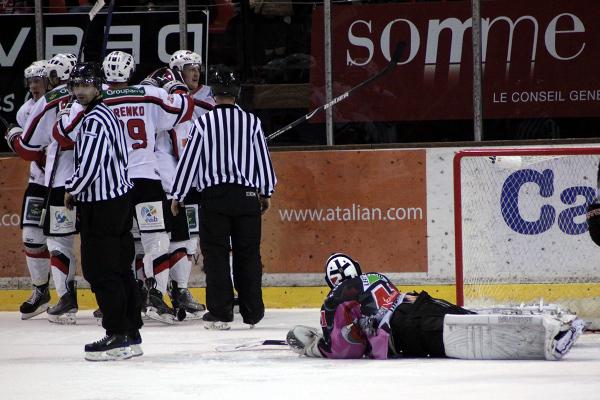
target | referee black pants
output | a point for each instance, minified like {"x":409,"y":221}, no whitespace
{"x":107,"y":251}
{"x":231,"y":212}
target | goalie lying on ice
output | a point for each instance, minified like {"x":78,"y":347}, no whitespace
{"x":365,"y":315}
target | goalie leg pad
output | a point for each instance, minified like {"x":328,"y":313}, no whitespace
{"x":304,"y":340}
{"x":505,"y":337}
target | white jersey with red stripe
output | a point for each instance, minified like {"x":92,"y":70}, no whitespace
{"x":36,"y":172}
{"x":144,"y":111}
{"x":170,"y":144}
{"x":36,"y":142}
{"x":203,"y":100}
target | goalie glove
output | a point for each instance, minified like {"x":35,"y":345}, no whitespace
{"x":168,"y":79}
{"x":304,"y":340}
{"x":12,"y":132}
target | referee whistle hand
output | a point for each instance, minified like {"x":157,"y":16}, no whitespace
{"x":69,"y":201}
{"x":265,"y":203}
{"x":174,"y":207}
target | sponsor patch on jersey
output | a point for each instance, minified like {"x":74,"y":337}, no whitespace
{"x":128,"y":91}
{"x":55,"y":94}
{"x":150,"y":216}
{"x":62,"y":220}
{"x":32,"y":212}
{"x":191,"y":212}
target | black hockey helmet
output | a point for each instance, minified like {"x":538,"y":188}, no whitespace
{"x":86,"y":72}
{"x":340,"y":267}
{"x":593,"y":220}
{"x":223,"y":81}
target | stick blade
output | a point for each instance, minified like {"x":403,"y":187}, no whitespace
{"x":96,"y":9}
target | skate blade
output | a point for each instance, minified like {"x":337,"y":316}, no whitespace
{"x":217,"y":325}
{"x":120,"y":353}
{"x":63,"y":319}
{"x":38,"y":311}
{"x":164,"y":318}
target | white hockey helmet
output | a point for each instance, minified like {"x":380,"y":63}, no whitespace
{"x":61,"y":65}
{"x":340,"y":267}
{"x":181,"y":58}
{"x":118,"y":66}
{"x":36,"y":69}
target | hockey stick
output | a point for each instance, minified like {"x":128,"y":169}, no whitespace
{"x":92,"y":14}
{"x":109,"y":14}
{"x":256,"y":344}
{"x":393,"y":61}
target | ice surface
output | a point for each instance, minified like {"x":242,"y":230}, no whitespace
{"x":180,"y":362}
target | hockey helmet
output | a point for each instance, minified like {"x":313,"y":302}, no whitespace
{"x":593,"y":219}
{"x":61,"y":66}
{"x":340,"y":267}
{"x":223,"y":81}
{"x":36,"y":70}
{"x":86,"y":72}
{"x":181,"y":58}
{"x":118,"y":66}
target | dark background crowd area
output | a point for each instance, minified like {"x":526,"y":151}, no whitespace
{"x":269,"y":44}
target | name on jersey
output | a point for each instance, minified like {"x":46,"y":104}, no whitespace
{"x":129,"y":111}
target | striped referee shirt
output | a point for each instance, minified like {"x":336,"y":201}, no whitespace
{"x":225,"y":145}
{"x":100,"y":157}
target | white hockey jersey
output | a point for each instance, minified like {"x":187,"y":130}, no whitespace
{"x":36,"y":171}
{"x":170,"y":144}
{"x":144,"y":111}
{"x":37,"y":142}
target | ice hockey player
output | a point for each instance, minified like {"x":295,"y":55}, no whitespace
{"x":36,"y":251}
{"x":169,"y":145}
{"x":36,"y":144}
{"x":365,"y":315}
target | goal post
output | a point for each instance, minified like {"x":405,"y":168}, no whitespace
{"x":520,"y":228}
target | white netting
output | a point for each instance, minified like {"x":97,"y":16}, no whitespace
{"x":524,"y":234}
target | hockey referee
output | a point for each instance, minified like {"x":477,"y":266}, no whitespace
{"x":227,"y":159}
{"x":101,"y":188}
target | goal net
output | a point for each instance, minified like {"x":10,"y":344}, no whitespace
{"x":520,"y":229}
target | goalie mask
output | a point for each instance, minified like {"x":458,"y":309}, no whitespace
{"x":593,"y":220}
{"x":118,"y":66}
{"x":340,"y":267}
{"x":223,"y":81}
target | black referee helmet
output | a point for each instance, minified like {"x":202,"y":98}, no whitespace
{"x":223,"y":81}
{"x":86,"y":72}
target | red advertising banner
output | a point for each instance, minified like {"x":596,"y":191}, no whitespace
{"x":541,"y":58}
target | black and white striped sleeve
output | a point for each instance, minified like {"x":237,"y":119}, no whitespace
{"x":187,"y":167}
{"x":93,"y":149}
{"x":264,"y":167}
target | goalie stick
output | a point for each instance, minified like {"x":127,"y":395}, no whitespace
{"x":256,"y":344}
{"x":393,"y":61}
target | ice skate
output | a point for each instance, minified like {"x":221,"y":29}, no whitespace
{"x":187,"y":307}
{"x":109,"y":348}
{"x":38,"y":302}
{"x":135,"y":342}
{"x":156,"y":308}
{"x":65,"y":310}
{"x":212,"y":323}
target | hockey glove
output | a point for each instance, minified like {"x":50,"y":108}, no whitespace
{"x":167,"y":79}
{"x":12,"y":132}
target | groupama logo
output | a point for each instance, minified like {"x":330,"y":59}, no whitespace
{"x":575,"y":198}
